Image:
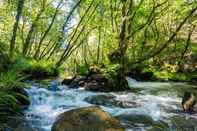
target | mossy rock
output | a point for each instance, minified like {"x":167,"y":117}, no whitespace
{"x":86,"y":119}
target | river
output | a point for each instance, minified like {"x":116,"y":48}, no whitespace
{"x":148,"y":104}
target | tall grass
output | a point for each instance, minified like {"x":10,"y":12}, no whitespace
{"x":10,"y":103}
{"x":10,"y":80}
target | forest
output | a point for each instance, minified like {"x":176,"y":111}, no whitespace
{"x":104,"y":65}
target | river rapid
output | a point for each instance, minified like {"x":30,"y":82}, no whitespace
{"x":149,"y":106}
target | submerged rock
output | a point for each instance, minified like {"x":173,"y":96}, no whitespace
{"x":136,"y":119}
{"x":110,"y":101}
{"x":20,"y":124}
{"x":86,"y":119}
{"x":183,"y":123}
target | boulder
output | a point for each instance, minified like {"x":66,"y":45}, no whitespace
{"x":95,"y":82}
{"x":68,"y":80}
{"x":110,"y":101}
{"x":136,"y":121}
{"x":86,"y":119}
{"x":91,"y":82}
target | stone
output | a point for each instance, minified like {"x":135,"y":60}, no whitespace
{"x":68,"y":80}
{"x":86,"y":119}
{"x":110,"y":101}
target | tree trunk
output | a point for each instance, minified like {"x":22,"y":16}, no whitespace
{"x":36,"y":55}
{"x":30,"y":33}
{"x":17,"y":19}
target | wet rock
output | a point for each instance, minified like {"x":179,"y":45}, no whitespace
{"x":20,"y":124}
{"x":92,"y":82}
{"x":176,"y":123}
{"x":183,"y":123}
{"x":133,"y":121}
{"x":77,"y":82}
{"x":110,"y":101}
{"x":136,"y":119}
{"x":106,"y":100}
{"x":160,"y":126}
{"x":97,"y":82}
{"x":68,"y":80}
{"x":86,"y":119}
{"x":94,"y":86}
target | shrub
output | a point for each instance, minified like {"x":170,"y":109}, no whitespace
{"x":40,"y":69}
{"x":34,"y":69}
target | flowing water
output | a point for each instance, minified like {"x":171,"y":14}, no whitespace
{"x":146,"y":106}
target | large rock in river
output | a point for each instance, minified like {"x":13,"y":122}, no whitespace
{"x":86,"y":119}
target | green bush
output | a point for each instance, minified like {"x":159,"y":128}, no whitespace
{"x":82,"y":70}
{"x":34,"y":69}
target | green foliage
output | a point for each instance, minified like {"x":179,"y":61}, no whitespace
{"x":28,"y":67}
{"x":111,"y":71}
{"x":8,"y":103}
{"x":42,"y":68}
{"x":9,"y":106}
{"x":11,"y":98}
{"x":10,"y":80}
{"x":82,"y":70}
{"x":172,"y":76}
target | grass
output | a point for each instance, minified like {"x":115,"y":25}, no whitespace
{"x":11,"y":97}
{"x":10,"y":80}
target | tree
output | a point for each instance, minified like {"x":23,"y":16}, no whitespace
{"x":15,"y":27}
